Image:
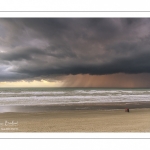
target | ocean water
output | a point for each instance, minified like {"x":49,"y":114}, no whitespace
{"x":63,"y":96}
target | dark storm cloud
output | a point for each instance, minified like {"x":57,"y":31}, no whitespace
{"x":34,"y":47}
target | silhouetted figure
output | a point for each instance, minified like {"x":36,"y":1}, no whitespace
{"x":127,"y":110}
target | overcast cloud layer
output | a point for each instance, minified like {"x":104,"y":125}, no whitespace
{"x":45,"y":48}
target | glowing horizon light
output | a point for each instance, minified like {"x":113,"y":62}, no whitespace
{"x":34,"y":83}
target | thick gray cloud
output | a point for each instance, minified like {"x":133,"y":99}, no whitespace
{"x":45,"y":47}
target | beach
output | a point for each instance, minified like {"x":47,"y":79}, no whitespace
{"x":74,"y":110}
{"x":108,"y":120}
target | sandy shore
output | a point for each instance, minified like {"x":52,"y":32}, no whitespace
{"x":137,"y":120}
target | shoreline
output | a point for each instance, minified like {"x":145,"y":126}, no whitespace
{"x":91,"y":106}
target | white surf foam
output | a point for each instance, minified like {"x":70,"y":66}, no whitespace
{"x":44,"y":100}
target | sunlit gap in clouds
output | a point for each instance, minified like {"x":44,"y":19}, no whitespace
{"x":86,"y":80}
{"x":34,"y":83}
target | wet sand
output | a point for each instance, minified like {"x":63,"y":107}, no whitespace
{"x":79,"y":119}
{"x":90,"y":106}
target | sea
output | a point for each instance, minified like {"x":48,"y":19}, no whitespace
{"x":65,"y":96}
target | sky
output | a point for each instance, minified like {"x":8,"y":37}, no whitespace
{"x":75,"y":52}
